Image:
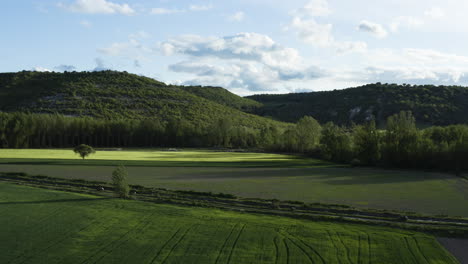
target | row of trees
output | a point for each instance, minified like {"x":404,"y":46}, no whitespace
{"x":402,"y":144}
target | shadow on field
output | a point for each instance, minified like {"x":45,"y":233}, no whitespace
{"x":55,"y":201}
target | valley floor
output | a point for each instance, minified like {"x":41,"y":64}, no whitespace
{"x":45,"y":226}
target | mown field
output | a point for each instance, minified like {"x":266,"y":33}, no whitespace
{"x":312,"y":181}
{"x":44,"y":226}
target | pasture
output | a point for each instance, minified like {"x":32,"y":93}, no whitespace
{"x":427,"y":193}
{"x":44,"y":226}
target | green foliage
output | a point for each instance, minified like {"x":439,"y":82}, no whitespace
{"x":223,"y":97}
{"x":120,"y":183}
{"x":84,"y":150}
{"x":114,"y":95}
{"x":336,"y":143}
{"x":366,"y":140}
{"x":401,"y":139}
{"x":431,"y":105}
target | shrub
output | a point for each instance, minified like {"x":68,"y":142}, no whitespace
{"x":119,"y":180}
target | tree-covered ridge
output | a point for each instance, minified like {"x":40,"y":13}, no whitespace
{"x":224,"y":97}
{"x":431,"y":105}
{"x":115,"y":95}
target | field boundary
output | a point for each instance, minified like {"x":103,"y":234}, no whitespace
{"x":451,"y":227}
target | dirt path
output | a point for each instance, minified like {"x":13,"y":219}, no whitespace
{"x":458,"y":248}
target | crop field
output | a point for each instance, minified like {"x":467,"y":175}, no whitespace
{"x":44,"y":226}
{"x":415,"y":191}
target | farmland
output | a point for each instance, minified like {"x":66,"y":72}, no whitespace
{"x":44,"y":226}
{"x":258,"y":175}
{"x":306,"y":180}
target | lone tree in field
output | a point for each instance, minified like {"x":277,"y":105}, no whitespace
{"x":84,"y":150}
{"x":119,"y":180}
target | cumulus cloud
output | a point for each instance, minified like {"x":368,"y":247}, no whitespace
{"x":314,"y":8}
{"x":249,"y":61}
{"x":98,"y":7}
{"x":375,"y":29}
{"x":304,"y":24}
{"x":309,"y":31}
{"x":237,"y":17}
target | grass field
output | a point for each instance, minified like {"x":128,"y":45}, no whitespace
{"x":258,"y":175}
{"x":43,"y":226}
{"x":429,"y":193}
{"x":160,"y":158}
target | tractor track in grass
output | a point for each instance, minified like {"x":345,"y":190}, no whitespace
{"x":297,"y":244}
{"x":142,"y":226}
{"x":220,"y":253}
{"x":181,"y":238}
{"x":288,"y":251}
{"x":165,"y":244}
{"x":420,"y":251}
{"x":348,"y":256}
{"x":408,"y":246}
{"x":109,"y":246}
{"x":235,"y":244}
{"x":334,"y":245}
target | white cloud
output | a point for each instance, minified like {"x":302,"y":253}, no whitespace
{"x":41,"y":69}
{"x":375,"y":29}
{"x":237,"y":17}
{"x":100,"y":65}
{"x":304,"y":24}
{"x":314,"y":8}
{"x":248,"y":61}
{"x":200,"y":7}
{"x":406,"y":22}
{"x":98,"y":7}
{"x":435,"y":13}
{"x":309,"y":31}
{"x":165,"y":11}
{"x":191,"y":8}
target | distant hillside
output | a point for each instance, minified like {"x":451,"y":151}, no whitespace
{"x":431,"y":105}
{"x":224,"y":97}
{"x":112,"y":95}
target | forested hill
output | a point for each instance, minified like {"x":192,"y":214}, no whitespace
{"x":224,"y":97}
{"x":431,"y":105}
{"x":114,"y":95}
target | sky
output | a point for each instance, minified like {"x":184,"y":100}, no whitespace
{"x":246,"y":46}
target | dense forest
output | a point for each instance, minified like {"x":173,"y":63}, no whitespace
{"x":431,"y":105}
{"x":120,"y":95}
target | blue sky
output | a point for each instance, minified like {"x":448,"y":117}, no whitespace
{"x":246,"y":46}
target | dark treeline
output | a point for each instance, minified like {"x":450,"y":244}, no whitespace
{"x":401,"y":145}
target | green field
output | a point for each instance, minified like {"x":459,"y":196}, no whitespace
{"x":44,"y":226}
{"x":160,"y":158}
{"x":422,"y":192}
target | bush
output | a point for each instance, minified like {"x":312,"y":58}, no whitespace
{"x":119,"y":180}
